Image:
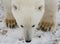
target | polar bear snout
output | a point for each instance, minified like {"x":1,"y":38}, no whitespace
{"x":28,"y":36}
{"x":28,"y":40}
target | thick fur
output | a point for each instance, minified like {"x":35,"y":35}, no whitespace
{"x":48,"y":21}
{"x":29,"y":13}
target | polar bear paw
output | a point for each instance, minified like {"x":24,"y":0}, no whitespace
{"x":46,"y":26}
{"x":11,"y":23}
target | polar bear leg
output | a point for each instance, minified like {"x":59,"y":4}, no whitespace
{"x":48,"y":22}
{"x":10,"y":21}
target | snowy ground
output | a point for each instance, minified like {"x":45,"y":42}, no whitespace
{"x":15,"y":36}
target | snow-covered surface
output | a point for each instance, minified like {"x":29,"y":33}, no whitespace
{"x":15,"y":36}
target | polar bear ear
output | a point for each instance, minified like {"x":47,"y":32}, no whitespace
{"x":40,"y":7}
{"x":15,"y":7}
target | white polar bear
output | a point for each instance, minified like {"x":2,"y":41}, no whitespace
{"x":29,"y":13}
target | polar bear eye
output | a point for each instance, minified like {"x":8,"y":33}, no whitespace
{"x":15,"y":7}
{"x":40,"y":7}
{"x":33,"y":25}
{"x":22,"y":26}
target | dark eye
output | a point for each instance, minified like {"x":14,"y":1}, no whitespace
{"x":39,"y":8}
{"x":33,"y":25}
{"x":22,"y":26}
{"x":15,"y":7}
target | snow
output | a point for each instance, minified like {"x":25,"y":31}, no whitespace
{"x":15,"y":36}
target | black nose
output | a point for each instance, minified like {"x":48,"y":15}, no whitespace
{"x":28,"y":41}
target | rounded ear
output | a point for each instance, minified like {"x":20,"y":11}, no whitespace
{"x":15,"y":7}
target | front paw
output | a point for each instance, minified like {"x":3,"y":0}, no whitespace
{"x":10,"y":23}
{"x":46,"y":26}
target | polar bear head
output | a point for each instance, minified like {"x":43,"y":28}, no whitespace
{"x":28,"y":14}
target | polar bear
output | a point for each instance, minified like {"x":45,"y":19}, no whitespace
{"x":49,"y":21}
{"x":31,"y":14}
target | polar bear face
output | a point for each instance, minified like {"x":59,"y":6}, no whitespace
{"x":28,"y":14}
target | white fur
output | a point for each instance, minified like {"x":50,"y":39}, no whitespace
{"x":28,"y":14}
